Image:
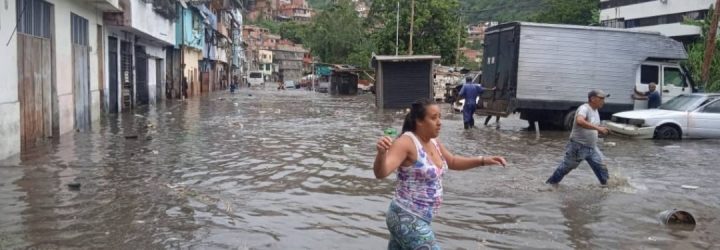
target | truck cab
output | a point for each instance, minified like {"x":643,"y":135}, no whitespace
{"x":670,"y":78}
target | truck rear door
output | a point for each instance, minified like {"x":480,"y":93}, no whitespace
{"x":500,"y":60}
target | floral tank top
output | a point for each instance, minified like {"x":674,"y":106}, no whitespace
{"x":419,"y":186}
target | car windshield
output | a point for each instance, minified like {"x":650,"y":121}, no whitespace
{"x":255,"y":75}
{"x":681,"y":103}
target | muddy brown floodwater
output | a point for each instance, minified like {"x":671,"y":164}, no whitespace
{"x":293,"y":170}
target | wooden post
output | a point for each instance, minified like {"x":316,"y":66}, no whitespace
{"x":412,"y":22}
{"x":457,"y":48}
{"x":710,"y":44}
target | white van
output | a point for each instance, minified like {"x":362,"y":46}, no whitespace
{"x":255,"y":79}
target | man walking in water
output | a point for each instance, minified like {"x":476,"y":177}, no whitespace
{"x":583,"y":140}
{"x":470,"y":92}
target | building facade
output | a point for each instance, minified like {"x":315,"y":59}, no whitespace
{"x":69,"y":61}
{"x":664,"y":16}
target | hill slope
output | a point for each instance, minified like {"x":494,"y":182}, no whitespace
{"x":481,"y":10}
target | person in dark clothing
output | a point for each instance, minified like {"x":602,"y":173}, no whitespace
{"x":470,"y":92}
{"x":497,"y":120}
{"x":653,"y":96}
{"x":185,"y":87}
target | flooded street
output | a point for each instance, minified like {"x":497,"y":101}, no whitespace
{"x":293,"y":170}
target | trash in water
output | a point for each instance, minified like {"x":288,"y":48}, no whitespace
{"x":168,"y":113}
{"x":155,"y":152}
{"x":689,"y":187}
{"x":131,"y":137}
{"x":676,"y":217}
{"x":221,"y":98}
{"x":236,"y":104}
{"x":610,"y":144}
{"x":139,"y":116}
{"x":150,"y":125}
{"x":262,"y":112}
{"x":74,"y":186}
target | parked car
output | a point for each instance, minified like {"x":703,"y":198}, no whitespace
{"x":685,"y":116}
{"x":255,"y":79}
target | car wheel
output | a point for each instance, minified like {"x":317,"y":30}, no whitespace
{"x":667,"y":132}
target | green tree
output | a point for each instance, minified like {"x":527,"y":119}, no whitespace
{"x":696,"y":54}
{"x":292,"y":31}
{"x":336,"y":33}
{"x":580,"y":12}
{"x":500,"y":10}
{"x":436,"y":27}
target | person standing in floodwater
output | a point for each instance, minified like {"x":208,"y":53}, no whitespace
{"x":652,"y":96}
{"x":583,"y":141}
{"x":470,"y":93}
{"x":421,"y":161}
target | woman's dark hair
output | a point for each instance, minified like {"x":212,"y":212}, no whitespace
{"x":417,"y":112}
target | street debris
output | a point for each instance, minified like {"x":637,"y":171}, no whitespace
{"x":74,"y":186}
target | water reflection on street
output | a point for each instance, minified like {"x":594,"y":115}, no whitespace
{"x":293,"y":170}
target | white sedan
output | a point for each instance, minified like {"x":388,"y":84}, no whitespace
{"x":685,"y":116}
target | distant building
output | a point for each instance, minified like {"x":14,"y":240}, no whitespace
{"x":664,"y":16}
{"x":471,"y":54}
{"x":295,"y":10}
{"x":281,"y":10}
{"x":361,"y":7}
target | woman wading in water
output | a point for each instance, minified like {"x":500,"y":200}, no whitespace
{"x":421,"y":161}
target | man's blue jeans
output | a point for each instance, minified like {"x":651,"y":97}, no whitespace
{"x":575,"y":153}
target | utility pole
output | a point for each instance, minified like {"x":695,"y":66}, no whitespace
{"x":710,"y":44}
{"x":397,"y":28}
{"x":457,"y":49}
{"x":412,"y":22}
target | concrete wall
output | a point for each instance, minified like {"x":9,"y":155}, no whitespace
{"x":9,"y":105}
{"x":147,"y":21}
{"x":152,"y":80}
{"x":192,"y":70}
{"x":191,"y":37}
{"x":63,"y":59}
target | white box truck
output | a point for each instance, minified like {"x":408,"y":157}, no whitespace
{"x":544,"y":71}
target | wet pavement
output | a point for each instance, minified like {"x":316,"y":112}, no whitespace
{"x":293,"y":170}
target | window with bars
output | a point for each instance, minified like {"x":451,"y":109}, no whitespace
{"x":33,"y":17}
{"x":79,"y":29}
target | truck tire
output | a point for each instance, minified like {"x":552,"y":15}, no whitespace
{"x":667,"y":132}
{"x":569,"y":120}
